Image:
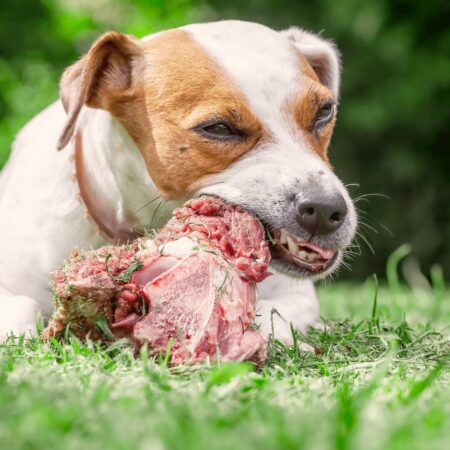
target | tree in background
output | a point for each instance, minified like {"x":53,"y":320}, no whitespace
{"x":393,"y":125}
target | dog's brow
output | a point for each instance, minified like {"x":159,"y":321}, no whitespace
{"x":316,"y":94}
{"x":235,"y":113}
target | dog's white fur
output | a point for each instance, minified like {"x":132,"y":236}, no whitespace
{"x":42,"y":219}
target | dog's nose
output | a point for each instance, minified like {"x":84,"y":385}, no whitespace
{"x":322,"y":214}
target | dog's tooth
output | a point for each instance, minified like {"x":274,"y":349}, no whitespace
{"x":313,"y":256}
{"x":293,"y":247}
{"x":283,"y":237}
{"x":303,"y":255}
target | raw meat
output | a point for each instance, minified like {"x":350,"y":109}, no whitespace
{"x":190,"y":289}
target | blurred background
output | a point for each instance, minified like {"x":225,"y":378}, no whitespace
{"x":393,"y":131}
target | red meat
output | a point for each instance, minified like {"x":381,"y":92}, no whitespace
{"x":192,"y":287}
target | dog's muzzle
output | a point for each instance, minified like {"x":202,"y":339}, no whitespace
{"x":310,"y":244}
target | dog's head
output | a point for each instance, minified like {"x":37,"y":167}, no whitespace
{"x":236,"y":110}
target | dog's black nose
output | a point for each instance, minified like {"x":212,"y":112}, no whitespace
{"x":322,"y":214}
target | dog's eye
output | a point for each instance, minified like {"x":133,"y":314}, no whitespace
{"x":325,"y":113}
{"x":219,"y":130}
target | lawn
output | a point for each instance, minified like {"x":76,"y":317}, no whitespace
{"x":380,"y":379}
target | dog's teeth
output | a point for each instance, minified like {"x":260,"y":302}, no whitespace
{"x":283,"y":237}
{"x":303,"y":255}
{"x":293,"y":247}
{"x":313,"y":256}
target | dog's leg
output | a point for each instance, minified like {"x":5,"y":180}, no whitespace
{"x":282,"y":301}
{"x":18,"y":315}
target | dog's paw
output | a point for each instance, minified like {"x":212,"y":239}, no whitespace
{"x":319,"y":326}
{"x":18,"y":315}
{"x":279,"y":328}
{"x":284,"y":334}
{"x":275,"y":316}
{"x":306,"y":348}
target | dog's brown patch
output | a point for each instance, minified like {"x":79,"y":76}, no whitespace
{"x":305,"y":107}
{"x":162,"y":88}
{"x":178,"y":88}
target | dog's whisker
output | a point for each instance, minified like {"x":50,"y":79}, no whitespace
{"x":348,"y":254}
{"x":359,"y":200}
{"x":366,"y":241}
{"x":155,"y":212}
{"x":371,"y":194}
{"x":366,"y":225}
{"x":355,"y":245}
{"x":147,"y":204}
{"x":375,"y":221}
{"x":329,"y":279}
{"x":385,"y":228}
{"x":352,"y":254}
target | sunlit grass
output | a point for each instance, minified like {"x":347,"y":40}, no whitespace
{"x":379,"y":380}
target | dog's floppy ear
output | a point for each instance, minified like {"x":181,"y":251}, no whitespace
{"x":98,"y":79}
{"x":323,"y":56}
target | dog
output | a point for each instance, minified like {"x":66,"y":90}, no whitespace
{"x":231,"y":109}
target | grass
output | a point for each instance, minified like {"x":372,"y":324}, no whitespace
{"x":379,"y":380}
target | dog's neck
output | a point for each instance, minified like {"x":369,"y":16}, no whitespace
{"x":118,"y":192}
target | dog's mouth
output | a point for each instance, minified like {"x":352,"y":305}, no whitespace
{"x":294,"y":254}
{"x":304,"y":255}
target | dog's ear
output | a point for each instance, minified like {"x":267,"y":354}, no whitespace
{"x":323,"y":56}
{"x":100,"y":78}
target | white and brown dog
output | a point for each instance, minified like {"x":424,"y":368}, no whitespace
{"x":232,"y":109}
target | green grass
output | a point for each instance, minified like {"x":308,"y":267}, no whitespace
{"x":380,"y":380}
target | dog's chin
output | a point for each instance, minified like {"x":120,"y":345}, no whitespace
{"x":302,"y":259}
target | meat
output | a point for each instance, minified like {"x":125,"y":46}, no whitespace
{"x":189,"y":290}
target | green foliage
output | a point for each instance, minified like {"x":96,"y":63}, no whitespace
{"x":226,"y":372}
{"x":392,"y":131}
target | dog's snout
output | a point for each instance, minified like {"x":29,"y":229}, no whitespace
{"x":321,"y":214}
